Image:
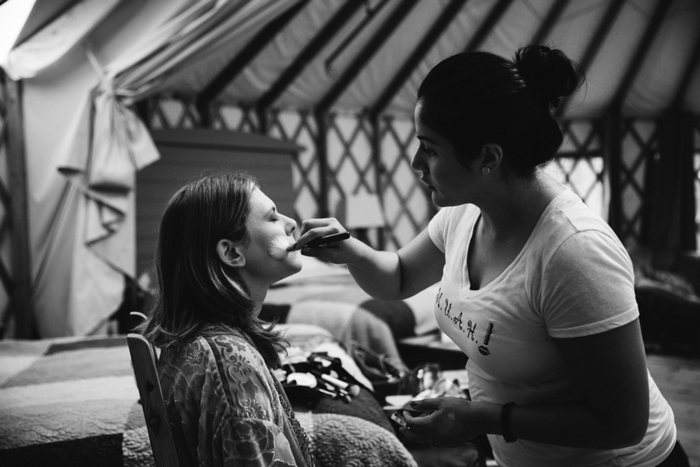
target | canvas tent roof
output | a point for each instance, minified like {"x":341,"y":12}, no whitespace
{"x":642,"y":53}
{"x":648,"y":54}
{"x":84,"y":63}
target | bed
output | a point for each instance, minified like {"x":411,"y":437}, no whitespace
{"x":74,"y":401}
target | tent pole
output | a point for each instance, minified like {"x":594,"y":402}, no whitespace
{"x":612,"y":150}
{"x":375,"y":121}
{"x":322,"y":156}
{"x":20,"y":298}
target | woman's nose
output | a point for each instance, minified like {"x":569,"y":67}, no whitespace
{"x":291,"y":225}
{"x":416,"y":162}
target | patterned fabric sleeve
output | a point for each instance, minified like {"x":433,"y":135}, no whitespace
{"x":224,"y":405}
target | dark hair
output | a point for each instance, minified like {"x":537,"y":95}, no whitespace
{"x":477,"y":98}
{"x":197,"y":292}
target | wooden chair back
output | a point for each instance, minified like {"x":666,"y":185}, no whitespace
{"x":143,"y":359}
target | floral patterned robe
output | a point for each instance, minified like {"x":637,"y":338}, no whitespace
{"x":226,"y":408}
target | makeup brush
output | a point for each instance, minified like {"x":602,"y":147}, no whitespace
{"x":278,"y":248}
{"x":322,"y":241}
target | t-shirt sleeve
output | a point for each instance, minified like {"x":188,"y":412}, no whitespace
{"x":439,"y":226}
{"x":437,"y":229}
{"x":588,"y":286}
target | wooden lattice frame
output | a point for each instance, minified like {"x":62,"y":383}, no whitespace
{"x":383,"y":175}
{"x":583,"y":150}
{"x":640,"y":137}
{"x":415,"y":194}
{"x":300,"y":128}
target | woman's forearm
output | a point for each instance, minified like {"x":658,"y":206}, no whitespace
{"x":571,"y":424}
{"x":395,"y":276}
{"x":377,"y":272}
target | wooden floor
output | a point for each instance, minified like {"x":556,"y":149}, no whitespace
{"x":678,"y":378}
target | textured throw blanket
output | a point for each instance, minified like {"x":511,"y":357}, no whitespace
{"x":68,"y":402}
{"x":342,"y":440}
{"x":75,"y":402}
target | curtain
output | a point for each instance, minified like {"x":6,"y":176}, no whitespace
{"x":668,"y":219}
{"x":83,"y":234}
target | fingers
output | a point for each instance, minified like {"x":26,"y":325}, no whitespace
{"x":419,"y":427}
{"x":425,"y":405}
{"x":312,"y":229}
{"x":327,"y":224}
{"x":413,"y":436}
{"x":418,"y":420}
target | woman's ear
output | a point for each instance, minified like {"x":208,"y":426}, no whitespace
{"x":491,"y":156}
{"x":230,"y":253}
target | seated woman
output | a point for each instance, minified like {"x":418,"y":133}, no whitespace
{"x":221,"y":245}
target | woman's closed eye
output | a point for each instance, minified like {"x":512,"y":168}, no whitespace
{"x":428,"y":151}
{"x":274,"y":216}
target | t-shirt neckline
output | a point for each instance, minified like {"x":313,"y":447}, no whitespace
{"x":553,"y":204}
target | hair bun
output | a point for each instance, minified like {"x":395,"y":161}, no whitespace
{"x":549,"y":72}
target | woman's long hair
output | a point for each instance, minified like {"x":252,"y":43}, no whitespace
{"x":198,"y":294}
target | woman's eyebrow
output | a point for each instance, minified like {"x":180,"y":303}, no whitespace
{"x":427,"y":139}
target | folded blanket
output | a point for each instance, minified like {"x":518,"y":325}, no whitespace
{"x":342,"y":440}
{"x":67,"y":402}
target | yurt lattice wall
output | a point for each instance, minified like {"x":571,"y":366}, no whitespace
{"x":580,"y":163}
{"x":639,"y":139}
{"x":350,"y":166}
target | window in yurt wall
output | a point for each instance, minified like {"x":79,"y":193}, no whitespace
{"x":579,"y":163}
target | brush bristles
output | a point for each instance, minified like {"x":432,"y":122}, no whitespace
{"x":278,"y":248}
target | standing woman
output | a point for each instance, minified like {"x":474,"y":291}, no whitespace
{"x":217,"y":256}
{"x":536,"y":289}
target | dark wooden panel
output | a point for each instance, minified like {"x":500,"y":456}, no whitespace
{"x":190,"y":154}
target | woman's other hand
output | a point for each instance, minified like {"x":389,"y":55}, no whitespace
{"x":447,"y":421}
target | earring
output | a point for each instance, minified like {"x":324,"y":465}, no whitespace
{"x":485,"y":170}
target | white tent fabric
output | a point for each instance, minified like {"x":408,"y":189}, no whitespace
{"x":78,"y":120}
{"x":54,"y":41}
{"x":653,"y":88}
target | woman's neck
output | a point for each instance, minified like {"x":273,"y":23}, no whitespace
{"x":515,"y":207}
{"x":258,"y":292}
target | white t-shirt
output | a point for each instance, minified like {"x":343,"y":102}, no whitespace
{"x":572,"y":278}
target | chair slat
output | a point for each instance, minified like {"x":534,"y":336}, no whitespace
{"x":143,"y":359}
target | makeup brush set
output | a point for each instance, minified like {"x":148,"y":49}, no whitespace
{"x":320,"y":375}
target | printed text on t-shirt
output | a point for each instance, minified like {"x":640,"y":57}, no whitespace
{"x":443,"y":304}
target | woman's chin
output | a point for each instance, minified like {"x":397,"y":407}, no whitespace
{"x":437,"y":199}
{"x":293,"y":263}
